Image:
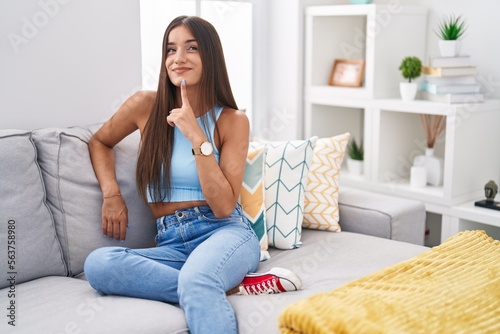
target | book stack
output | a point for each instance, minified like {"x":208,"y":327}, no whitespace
{"x":450,"y":80}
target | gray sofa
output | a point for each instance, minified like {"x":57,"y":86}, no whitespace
{"x":50,"y":221}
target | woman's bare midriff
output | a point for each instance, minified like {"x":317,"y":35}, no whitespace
{"x":161,"y":209}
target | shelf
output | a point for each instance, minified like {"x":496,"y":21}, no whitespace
{"x":338,"y":96}
{"x":474,"y":213}
{"x":334,"y":120}
{"x":401,"y":188}
{"x":466,"y":216}
{"x":434,"y":108}
{"x":356,"y":98}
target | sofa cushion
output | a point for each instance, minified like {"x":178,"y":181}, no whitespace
{"x":27,"y":232}
{"x":382,"y":215}
{"x":70,"y":305}
{"x":321,"y":209}
{"x":75,"y":198}
{"x":286,"y":170}
{"x":252,"y":197}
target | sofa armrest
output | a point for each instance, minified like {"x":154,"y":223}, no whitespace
{"x":382,"y":216}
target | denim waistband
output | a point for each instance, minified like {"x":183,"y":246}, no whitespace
{"x":188,"y":214}
{"x":184,"y":214}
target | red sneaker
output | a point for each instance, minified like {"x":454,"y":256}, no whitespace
{"x":275,"y":280}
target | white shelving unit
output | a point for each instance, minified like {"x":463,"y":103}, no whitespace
{"x":466,"y":216}
{"x":391,"y":129}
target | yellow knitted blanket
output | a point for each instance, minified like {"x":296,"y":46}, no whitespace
{"x":451,"y":288}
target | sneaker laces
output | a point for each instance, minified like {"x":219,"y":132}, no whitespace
{"x":261,"y":288}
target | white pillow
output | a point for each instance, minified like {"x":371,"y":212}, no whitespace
{"x":286,"y":171}
{"x":321,"y":210}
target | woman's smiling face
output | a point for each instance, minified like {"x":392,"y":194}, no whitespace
{"x":183,"y":61}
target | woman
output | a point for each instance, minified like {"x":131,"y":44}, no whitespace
{"x":190,"y":170}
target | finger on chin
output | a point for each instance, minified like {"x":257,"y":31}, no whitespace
{"x":184,"y":96}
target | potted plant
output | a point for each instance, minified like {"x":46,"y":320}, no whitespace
{"x":451,"y":28}
{"x":411,"y":68}
{"x":355,"y":156}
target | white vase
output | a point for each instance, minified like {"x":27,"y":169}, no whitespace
{"x":450,"y":48}
{"x":355,"y":167}
{"x":408,"y":90}
{"x":418,"y":177}
{"x":432,"y":164}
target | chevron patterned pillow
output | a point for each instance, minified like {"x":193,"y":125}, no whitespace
{"x":321,"y":209}
{"x":252,"y":197}
{"x":286,"y":171}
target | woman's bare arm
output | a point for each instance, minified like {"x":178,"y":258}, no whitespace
{"x":132,"y":115}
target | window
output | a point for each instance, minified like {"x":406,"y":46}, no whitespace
{"x":233,"y":21}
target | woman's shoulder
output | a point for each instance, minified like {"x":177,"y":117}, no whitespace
{"x":233,"y":121}
{"x":144,"y":99}
{"x":140,"y":104}
{"x":135,"y":111}
{"x":232,"y":115}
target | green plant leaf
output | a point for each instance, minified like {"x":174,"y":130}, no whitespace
{"x":411,"y":68}
{"x":355,"y":151}
{"x":451,"y":28}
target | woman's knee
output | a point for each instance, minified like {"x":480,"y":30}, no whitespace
{"x":99,"y":263}
{"x":193,"y":284}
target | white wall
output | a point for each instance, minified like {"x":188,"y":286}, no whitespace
{"x":84,"y":60}
{"x":66,"y":62}
{"x":281,"y":56}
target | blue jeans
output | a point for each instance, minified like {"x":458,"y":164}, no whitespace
{"x":198,"y":258}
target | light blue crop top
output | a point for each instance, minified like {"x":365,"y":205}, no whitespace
{"x":184,"y":174}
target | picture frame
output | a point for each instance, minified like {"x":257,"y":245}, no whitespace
{"x":347,"y":72}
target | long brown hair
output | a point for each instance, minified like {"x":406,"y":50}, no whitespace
{"x":158,"y":137}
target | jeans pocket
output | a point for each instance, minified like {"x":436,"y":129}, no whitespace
{"x":168,"y":234}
